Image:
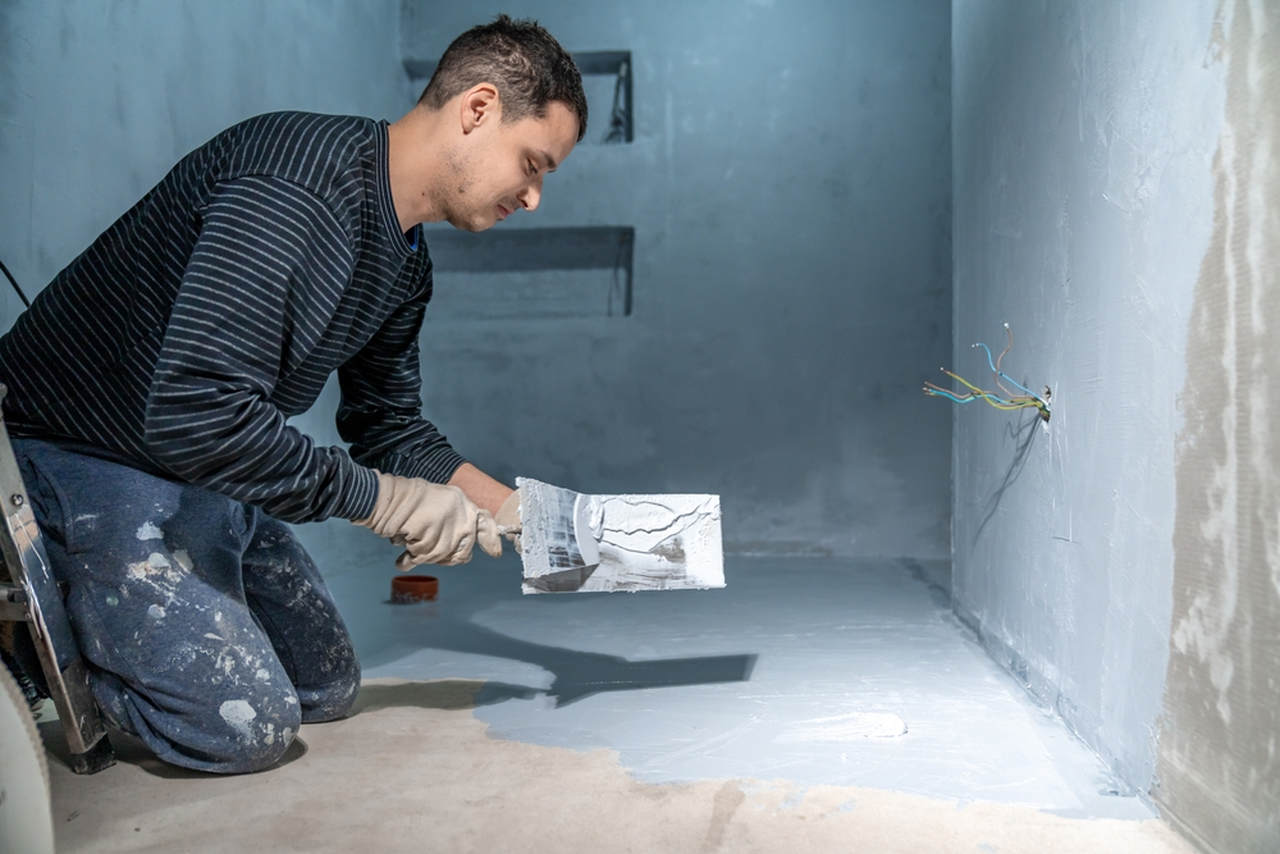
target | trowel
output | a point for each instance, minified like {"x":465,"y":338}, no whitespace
{"x":558,"y":546}
{"x":575,"y":542}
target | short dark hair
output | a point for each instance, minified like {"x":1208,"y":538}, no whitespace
{"x":522,"y":59}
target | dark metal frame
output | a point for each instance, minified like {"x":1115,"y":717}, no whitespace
{"x":30,"y":594}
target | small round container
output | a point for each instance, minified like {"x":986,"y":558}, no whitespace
{"x":414,"y":588}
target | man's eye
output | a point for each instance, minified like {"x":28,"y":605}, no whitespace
{"x":532,"y":169}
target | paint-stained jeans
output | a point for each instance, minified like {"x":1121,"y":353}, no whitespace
{"x":209,"y":633}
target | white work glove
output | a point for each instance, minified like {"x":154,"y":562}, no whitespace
{"x":434,"y":522}
{"x":508,"y":519}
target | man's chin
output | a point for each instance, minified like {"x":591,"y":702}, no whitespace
{"x":472,"y":225}
{"x":476,"y":223}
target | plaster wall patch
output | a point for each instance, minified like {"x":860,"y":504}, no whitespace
{"x":1218,"y":772}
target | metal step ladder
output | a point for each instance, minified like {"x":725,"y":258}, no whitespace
{"x":30,"y":594}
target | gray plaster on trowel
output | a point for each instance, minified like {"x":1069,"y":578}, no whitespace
{"x":644,"y":542}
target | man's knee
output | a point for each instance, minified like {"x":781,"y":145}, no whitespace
{"x":236,"y":736}
{"x":221,"y":731}
{"x":334,"y":699}
{"x":251,"y":736}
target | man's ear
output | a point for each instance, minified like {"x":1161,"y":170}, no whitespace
{"x":479,"y":106}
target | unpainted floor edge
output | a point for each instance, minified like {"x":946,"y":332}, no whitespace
{"x":737,"y":813}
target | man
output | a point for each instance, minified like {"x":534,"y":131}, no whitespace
{"x":149,"y":386}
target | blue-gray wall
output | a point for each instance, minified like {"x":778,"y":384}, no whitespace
{"x":99,"y":99}
{"x":789,"y":187}
{"x":1084,"y":137}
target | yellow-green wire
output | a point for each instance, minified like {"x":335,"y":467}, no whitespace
{"x":993,"y":400}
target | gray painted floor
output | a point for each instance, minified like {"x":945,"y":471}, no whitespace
{"x":776,"y":677}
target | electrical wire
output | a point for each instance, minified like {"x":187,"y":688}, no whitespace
{"x":976,"y":393}
{"x":1001,"y":374}
{"x":990,"y":399}
{"x":970,"y":398}
{"x":14,"y":282}
{"x":1007,"y":347}
{"x":1009,"y":402}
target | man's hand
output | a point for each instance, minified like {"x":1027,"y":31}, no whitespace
{"x":508,"y":519}
{"x":434,"y":522}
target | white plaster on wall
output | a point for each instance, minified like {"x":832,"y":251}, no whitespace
{"x":1219,"y":776}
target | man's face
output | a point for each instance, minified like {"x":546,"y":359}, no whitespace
{"x":500,"y":170}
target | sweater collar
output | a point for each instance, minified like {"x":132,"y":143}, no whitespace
{"x":403,"y":244}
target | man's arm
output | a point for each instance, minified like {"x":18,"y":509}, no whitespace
{"x":381,"y":412}
{"x":487,"y":493}
{"x":209,"y":417}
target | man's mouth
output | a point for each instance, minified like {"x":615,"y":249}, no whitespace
{"x":503,"y":212}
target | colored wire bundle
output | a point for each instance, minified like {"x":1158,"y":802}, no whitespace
{"x":1009,"y":401}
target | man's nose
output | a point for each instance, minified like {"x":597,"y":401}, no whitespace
{"x":531,"y":196}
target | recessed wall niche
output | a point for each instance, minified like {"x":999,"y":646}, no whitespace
{"x":531,"y":273}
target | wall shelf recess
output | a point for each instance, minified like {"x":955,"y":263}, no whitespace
{"x":531,"y":273}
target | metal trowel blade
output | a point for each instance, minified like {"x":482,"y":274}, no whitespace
{"x":556,"y":529}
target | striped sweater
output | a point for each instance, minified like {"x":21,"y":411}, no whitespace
{"x":184,"y":336}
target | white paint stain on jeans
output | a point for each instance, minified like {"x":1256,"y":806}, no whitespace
{"x":153,"y":569}
{"x":238,"y":714}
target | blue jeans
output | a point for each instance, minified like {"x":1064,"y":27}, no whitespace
{"x":208,"y":631}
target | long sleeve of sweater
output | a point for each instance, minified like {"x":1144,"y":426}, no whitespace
{"x":381,"y":410}
{"x":265,"y":247}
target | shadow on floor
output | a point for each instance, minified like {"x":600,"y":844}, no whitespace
{"x":446,"y":694}
{"x":578,"y":674}
{"x":387,"y":633}
{"x":131,"y":751}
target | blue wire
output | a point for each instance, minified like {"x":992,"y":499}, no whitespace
{"x":1002,"y":374}
{"x":971,"y":398}
{"x":947,"y":394}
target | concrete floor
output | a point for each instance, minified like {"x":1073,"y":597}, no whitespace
{"x":749,"y":718}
